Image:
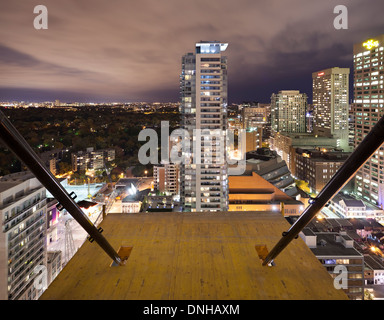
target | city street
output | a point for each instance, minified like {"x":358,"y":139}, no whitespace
{"x":79,"y":235}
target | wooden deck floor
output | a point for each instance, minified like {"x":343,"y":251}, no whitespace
{"x":189,"y":256}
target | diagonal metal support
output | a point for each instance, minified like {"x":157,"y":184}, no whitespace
{"x":17,"y":144}
{"x":372,"y":142}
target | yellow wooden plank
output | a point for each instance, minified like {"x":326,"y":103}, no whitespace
{"x":194,"y":256}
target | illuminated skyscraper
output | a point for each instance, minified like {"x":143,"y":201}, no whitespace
{"x":368,"y":108}
{"x":330,"y":104}
{"x":288,"y":109}
{"x":203,"y":171}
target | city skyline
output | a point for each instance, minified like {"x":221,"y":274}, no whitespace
{"x":293,"y":175}
{"x":129,"y":52}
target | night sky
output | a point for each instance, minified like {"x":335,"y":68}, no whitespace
{"x":130,"y":50}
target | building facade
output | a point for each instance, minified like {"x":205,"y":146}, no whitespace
{"x":285,"y":144}
{"x":375,"y":268}
{"x":337,"y":254}
{"x":253,"y":193}
{"x":52,"y":217}
{"x":257,"y":117}
{"x":331,"y":105}
{"x":23,"y":236}
{"x":166,"y":178}
{"x":254,"y":139}
{"x":368,"y":61}
{"x":347,"y":206}
{"x":317,"y":167}
{"x":288,"y":111}
{"x":92,"y":159}
{"x":203,"y":170}
{"x":54,"y":265}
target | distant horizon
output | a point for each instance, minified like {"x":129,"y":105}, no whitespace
{"x":111,"y":102}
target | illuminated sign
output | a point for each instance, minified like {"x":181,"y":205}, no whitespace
{"x":371,"y":44}
{"x":320,"y":74}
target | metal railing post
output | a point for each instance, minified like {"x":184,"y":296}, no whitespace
{"x":17,"y":144}
{"x":372,"y":142}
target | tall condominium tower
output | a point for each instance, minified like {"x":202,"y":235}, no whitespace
{"x":288,"y":109}
{"x":203,"y":171}
{"x":22,"y":242}
{"x":368,"y":107}
{"x":330,"y":104}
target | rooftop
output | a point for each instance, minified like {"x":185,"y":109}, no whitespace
{"x":373,"y":262}
{"x":189,"y":256}
{"x":327,"y":246}
{"x":348,"y":200}
{"x":5,"y":185}
{"x":11,"y":180}
{"x":322,"y":156}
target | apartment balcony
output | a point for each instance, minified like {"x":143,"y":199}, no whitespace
{"x":21,"y":215}
{"x":16,"y":247}
{"x":20,"y":287}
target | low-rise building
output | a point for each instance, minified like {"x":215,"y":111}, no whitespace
{"x":253,"y":193}
{"x":270,"y":166}
{"x":133,"y":201}
{"x":156,"y":203}
{"x":347,"y":206}
{"x":52,"y":158}
{"x":130,"y":205}
{"x":285,"y":144}
{"x":375,"y":270}
{"x":337,"y":254}
{"x":317,"y":167}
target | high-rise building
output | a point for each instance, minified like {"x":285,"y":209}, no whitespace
{"x":203,"y":171}
{"x":309,"y":117}
{"x":23,"y":238}
{"x":288,"y":110}
{"x":368,"y":59}
{"x":330,"y":104}
{"x":255,"y":116}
